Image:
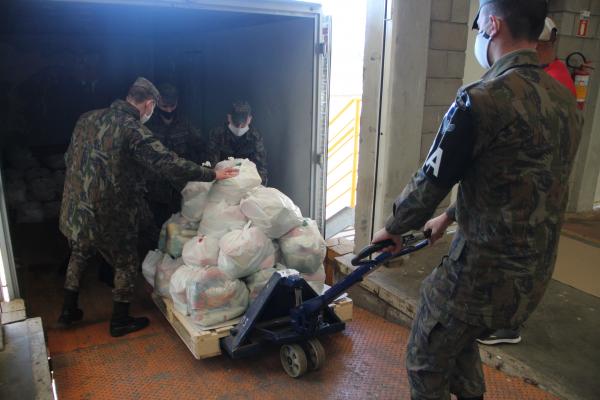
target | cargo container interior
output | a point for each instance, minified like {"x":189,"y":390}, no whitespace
{"x":51,"y":50}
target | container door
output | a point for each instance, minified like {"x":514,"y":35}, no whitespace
{"x":9,"y":288}
{"x":319,"y":174}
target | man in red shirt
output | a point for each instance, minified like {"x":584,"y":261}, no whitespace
{"x":546,"y":49}
{"x":557,"y":69}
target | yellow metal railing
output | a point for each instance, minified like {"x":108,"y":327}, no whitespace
{"x":344,"y":129}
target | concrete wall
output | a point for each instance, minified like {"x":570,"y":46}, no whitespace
{"x":422,"y":69}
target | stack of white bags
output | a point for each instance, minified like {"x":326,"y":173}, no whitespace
{"x":216,"y":256}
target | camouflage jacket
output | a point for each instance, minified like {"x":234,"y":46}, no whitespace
{"x":183,"y":139}
{"x":106,"y":161}
{"x":223,"y":143}
{"x":509,"y":140}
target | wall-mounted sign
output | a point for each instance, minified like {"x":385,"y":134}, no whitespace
{"x":584,"y":23}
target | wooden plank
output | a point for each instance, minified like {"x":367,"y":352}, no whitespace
{"x":204,"y":343}
{"x":14,"y":316}
{"x":12,"y":306}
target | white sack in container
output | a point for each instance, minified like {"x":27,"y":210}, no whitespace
{"x":51,"y":210}
{"x":316,"y":280}
{"x":16,"y":193}
{"x":304,"y":248}
{"x":201,"y":251}
{"x":21,"y":158}
{"x":178,"y":285}
{"x":257,"y":281}
{"x":149,"y":265}
{"x":42,"y":189}
{"x":244,"y":252}
{"x":54,"y":161}
{"x":164,"y":272}
{"x":234,"y":189}
{"x":213,"y":298}
{"x":272,"y":211}
{"x":220,"y":218}
{"x":175,"y":233}
{"x":14,"y":175}
{"x":193,"y":199}
{"x":30,"y":213}
{"x":38,"y":172}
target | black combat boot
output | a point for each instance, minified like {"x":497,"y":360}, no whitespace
{"x":122,"y":324}
{"x":70,"y":313}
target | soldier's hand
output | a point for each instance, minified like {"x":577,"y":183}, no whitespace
{"x":226,"y":173}
{"x":438,"y":226}
{"x":382,"y":235}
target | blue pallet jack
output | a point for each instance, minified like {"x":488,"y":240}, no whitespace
{"x":289,"y":313}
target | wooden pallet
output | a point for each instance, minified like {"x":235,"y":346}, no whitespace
{"x":205,"y":343}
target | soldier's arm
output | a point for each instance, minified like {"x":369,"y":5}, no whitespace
{"x":447,"y":162}
{"x":261,"y":158}
{"x":151,"y":153}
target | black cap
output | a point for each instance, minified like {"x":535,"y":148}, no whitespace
{"x":168,"y":94}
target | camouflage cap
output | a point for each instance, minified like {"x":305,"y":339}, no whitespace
{"x":482,"y":3}
{"x":147,"y":85}
{"x":168,"y":94}
{"x":240,"y":111}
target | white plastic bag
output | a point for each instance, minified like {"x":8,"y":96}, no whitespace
{"x":272,"y":211}
{"x":213,"y":298}
{"x":149,"y":265}
{"x":257,"y":281}
{"x":193,"y":199}
{"x":178,"y":285}
{"x":201,"y":251}
{"x":220,"y":218}
{"x":175,"y":233}
{"x":245,"y":252}
{"x":316,"y":280}
{"x":304,"y":248}
{"x":164,"y":272}
{"x":233,"y":190}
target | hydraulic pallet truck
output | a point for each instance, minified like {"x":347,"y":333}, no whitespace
{"x":289,"y":313}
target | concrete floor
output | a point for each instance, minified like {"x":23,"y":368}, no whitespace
{"x":364,"y":362}
{"x":560,"y":350}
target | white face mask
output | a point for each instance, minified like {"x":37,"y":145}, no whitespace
{"x":482,"y":44}
{"x":146,"y":118}
{"x":238,"y":131}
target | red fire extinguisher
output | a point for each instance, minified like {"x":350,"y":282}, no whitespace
{"x":581,"y":77}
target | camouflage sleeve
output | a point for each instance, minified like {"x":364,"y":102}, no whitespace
{"x":448,"y":160}
{"x":150,"y":152}
{"x":261,"y":159}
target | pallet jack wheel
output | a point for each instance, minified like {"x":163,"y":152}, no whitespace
{"x":293,"y":359}
{"x":316,"y":354}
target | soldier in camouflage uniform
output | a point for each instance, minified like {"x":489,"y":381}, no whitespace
{"x":109,"y":152}
{"x":238,"y":138}
{"x":178,"y":135}
{"x":509,"y":140}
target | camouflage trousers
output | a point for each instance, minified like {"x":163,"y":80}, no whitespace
{"x":443,"y":357}
{"x":123,"y":257}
